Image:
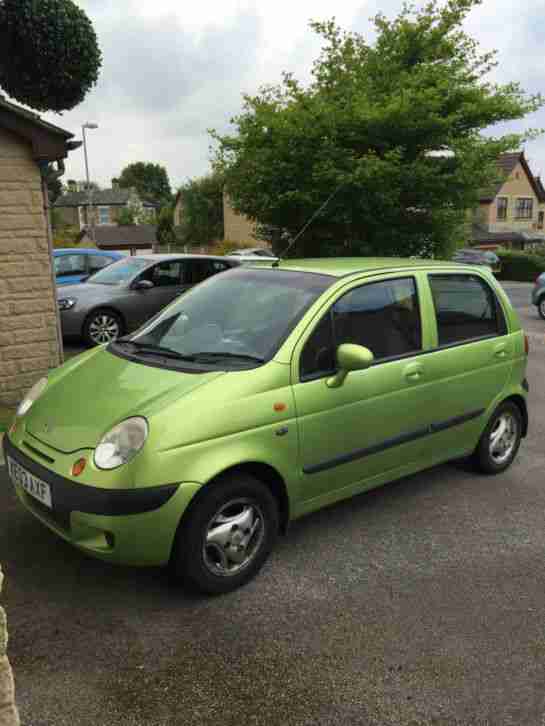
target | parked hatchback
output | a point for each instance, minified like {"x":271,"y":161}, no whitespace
{"x":74,"y":265}
{"x":126,"y":294}
{"x":264,"y":394}
{"x":538,"y":295}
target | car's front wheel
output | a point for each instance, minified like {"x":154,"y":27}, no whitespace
{"x":500,"y":441}
{"x":227,"y":535}
{"x":102,"y":326}
{"x":541,"y":307}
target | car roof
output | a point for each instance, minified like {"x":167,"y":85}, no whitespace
{"x":181,"y":256}
{"x":344,"y":266}
{"x":85,"y":250}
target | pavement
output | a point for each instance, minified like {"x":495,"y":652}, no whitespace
{"x":418,"y":604}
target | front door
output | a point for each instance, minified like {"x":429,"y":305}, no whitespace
{"x":168,"y":282}
{"x":373,"y":422}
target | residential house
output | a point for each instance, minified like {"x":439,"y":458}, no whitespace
{"x":134,"y":239}
{"x":511,"y":214}
{"x":30,"y":341}
{"x":105,"y":204}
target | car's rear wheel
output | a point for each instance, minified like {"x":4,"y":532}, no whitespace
{"x":500,"y":441}
{"x":102,"y":326}
{"x":226,"y":536}
{"x":541,"y":307}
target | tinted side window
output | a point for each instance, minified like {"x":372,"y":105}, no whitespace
{"x":466,"y":308}
{"x":199,"y":270}
{"x":165,"y":274}
{"x":382,"y":316}
{"x":70,"y":265}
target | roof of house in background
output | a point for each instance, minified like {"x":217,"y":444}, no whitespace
{"x":136,"y":235}
{"x":100,"y":198}
{"x":481,"y":236}
{"x":49,"y":142}
{"x":506,"y":165}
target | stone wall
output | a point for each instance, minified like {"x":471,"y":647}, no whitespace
{"x":8,"y":711}
{"x":28,"y":328}
{"x":237,"y":227}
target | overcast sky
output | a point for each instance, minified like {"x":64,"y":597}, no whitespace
{"x":172,"y":70}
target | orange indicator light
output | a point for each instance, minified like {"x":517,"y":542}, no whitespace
{"x":279,"y":407}
{"x":78,"y":467}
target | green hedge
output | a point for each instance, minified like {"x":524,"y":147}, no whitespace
{"x":520,"y":266}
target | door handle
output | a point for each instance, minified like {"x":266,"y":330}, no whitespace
{"x":413,"y":372}
{"x":500,"y":351}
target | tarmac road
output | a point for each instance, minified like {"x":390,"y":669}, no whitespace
{"x":421,"y":603}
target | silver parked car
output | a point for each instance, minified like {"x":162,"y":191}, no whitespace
{"x":538,"y":295}
{"x":124,"y":295}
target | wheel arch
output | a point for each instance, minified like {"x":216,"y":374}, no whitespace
{"x":265,"y":473}
{"x":520,"y":402}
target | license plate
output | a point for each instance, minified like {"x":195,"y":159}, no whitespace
{"x":30,"y":483}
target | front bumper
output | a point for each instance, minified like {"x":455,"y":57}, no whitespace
{"x":123,"y":526}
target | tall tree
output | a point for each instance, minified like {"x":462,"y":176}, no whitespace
{"x":202,"y":210}
{"x":49,"y":53}
{"x":389,"y":132}
{"x":150,"y":181}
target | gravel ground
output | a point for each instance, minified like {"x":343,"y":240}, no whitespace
{"x":417,"y":604}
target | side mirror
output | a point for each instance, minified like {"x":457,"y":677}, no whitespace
{"x":143,"y":285}
{"x":350,"y":358}
{"x":85,"y":278}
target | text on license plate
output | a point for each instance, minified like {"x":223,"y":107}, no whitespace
{"x":30,"y":483}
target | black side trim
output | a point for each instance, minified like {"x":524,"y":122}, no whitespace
{"x":395,"y":441}
{"x":68,"y":496}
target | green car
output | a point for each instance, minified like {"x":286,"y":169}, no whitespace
{"x":263,"y":394}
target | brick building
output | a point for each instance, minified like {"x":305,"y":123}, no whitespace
{"x":30,"y":341}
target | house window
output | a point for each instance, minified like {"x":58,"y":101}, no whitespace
{"x":524,"y":208}
{"x":502,"y":205}
{"x":104,"y":215}
{"x":540,"y":217}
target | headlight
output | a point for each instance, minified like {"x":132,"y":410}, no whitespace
{"x":66,"y":303}
{"x":122,"y":443}
{"x":34,"y":393}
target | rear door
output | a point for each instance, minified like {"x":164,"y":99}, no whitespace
{"x":470,"y":363}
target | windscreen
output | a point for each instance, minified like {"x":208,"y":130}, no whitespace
{"x":120,"y":272}
{"x":243,"y":312}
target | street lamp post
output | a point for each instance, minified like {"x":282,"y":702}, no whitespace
{"x":89,"y":190}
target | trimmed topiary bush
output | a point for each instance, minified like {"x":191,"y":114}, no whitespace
{"x":520,"y":266}
{"x":49,"y":54}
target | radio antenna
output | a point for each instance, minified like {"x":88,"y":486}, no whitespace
{"x":276,"y":263}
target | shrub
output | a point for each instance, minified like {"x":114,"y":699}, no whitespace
{"x":520,"y":266}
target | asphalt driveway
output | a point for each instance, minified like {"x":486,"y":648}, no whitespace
{"x":421,"y":603}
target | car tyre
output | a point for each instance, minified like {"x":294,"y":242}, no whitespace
{"x":500,"y":441}
{"x":541,"y":307}
{"x":226,"y":536}
{"x":102,"y":326}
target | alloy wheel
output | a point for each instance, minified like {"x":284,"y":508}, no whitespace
{"x":233,"y":537}
{"x":104,"y":328}
{"x":503,"y":438}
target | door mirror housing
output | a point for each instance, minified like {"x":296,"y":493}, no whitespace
{"x":143,"y":285}
{"x":350,"y":357}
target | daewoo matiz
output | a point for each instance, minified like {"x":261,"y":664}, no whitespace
{"x":263,"y":394}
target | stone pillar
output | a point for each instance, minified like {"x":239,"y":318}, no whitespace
{"x":8,"y":711}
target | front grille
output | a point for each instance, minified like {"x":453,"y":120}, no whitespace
{"x":58,"y":517}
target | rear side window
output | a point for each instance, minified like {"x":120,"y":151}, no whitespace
{"x":466,"y":309}
{"x":382,"y":316}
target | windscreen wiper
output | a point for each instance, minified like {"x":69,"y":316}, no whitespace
{"x":152,"y":349}
{"x":226,"y":354}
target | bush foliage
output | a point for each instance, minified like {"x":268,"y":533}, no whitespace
{"x":49,"y":53}
{"x":520,"y":266}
